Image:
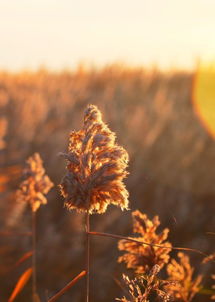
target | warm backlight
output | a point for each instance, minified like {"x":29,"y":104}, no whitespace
{"x":204,"y":96}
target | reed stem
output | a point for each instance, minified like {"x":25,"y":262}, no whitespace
{"x":146,"y":243}
{"x":34,"y":284}
{"x":87,"y":255}
{"x":67,"y":287}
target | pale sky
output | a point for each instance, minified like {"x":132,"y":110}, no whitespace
{"x":62,"y":33}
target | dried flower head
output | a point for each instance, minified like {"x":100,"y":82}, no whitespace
{"x":35,"y":185}
{"x":96,"y":167}
{"x":140,"y":289}
{"x":142,"y":258}
{"x":185,"y":286}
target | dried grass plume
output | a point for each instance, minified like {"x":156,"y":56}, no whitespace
{"x":143,"y":287}
{"x":142,"y":258}
{"x":35,"y":185}
{"x":185,"y":286}
{"x":96,"y":167}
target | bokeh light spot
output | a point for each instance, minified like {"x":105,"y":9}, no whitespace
{"x":204,"y":96}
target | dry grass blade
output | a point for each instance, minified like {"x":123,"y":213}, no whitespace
{"x":20,"y":284}
{"x":67,"y":287}
{"x":23,"y":258}
{"x":209,"y":258}
{"x":149,"y":244}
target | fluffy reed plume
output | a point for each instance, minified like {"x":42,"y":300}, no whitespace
{"x":96,"y":167}
{"x":213,"y":287}
{"x":3,"y":130}
{"x":35,"y":185}
{"x":142,"y":258}
{"x":185,"y":286}
{"x":140,"y":289}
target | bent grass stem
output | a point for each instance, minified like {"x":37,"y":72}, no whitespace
{"x":146,"y":243}
{"x":67,"y":287}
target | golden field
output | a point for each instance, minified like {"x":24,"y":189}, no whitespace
{"x":171,"y":174}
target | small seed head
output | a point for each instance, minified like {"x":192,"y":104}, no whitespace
{"x":35,"y":185}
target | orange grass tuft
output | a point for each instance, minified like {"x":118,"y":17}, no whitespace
{"x":185,"y":287}
{"x":96,"y":167}
{"x":142,"y":258}
{"x":141,"y":288}
{"x":36,"y":183}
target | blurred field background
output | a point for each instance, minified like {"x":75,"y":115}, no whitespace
{"x":159,"y":99}
{"x":172,"y":156}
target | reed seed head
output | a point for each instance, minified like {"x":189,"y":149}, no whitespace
{"x":96,"y":167}
{"x":144,"y":286}
{"x":142,"y":258}
{"x":35,"y":185}
{"x":184,"y":286}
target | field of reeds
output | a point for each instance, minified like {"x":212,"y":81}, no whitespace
{"x":48,"y":223}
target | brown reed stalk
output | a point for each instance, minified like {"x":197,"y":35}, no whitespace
{"x":67,"y":287}
{"x":34,"y":267}
{"x":96,"y":169}
{"x":32,"y":191}
{"x":87,"y":256}
{"x":146,"y":243}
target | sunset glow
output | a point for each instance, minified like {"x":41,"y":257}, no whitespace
{"x":61,"y":34}
{"x":204,"y":96}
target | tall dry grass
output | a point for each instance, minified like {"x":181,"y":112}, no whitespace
{"x":171,"y":156}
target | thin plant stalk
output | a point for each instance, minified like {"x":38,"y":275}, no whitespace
{"x":146,"y":243}
{"x":87,"y":255}
{"x":34,"y":283}
{"x":67,"y":287}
